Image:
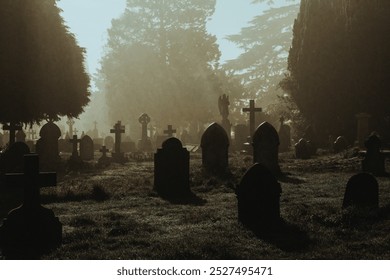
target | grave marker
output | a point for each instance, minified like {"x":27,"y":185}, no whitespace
{"x":362,"y":191}
{"x":118,"y":129}
{"x":144,"y":144}
{"x":252,"y":110}
{"x":12,"y":128}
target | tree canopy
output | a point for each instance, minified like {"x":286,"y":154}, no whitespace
{"x":339,"y":64}
{"x":160,"y":60}
{"x":42,"y":74}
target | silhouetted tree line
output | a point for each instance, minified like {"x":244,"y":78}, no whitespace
{"x":339,"y":64}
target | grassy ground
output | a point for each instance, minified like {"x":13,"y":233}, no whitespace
{"x":114,"y":213}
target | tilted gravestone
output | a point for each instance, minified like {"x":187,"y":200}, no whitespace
{"x":47,"y":146}
{"x":171,"y":169}
{"x":284,"y":136}
{"x":215,"y":145}
{"x":362,"y":191}
{"x":30,"y":230}
{"x":258,"y":196}
{"x":86,"y":148}
{"x":340,"y":144}
{"x":302,"y":149}
{"x":374,"y":161}
{"x":265,"y":147}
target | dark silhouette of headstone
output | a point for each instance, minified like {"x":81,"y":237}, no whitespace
{"x":86,"y":148}
{"x":252,"y":118}
{"x":171,"y":169}
{"x":144,"y":144}
{"x":223,"y":106}
{"x":284,"y":136}
{"x":265,"y":147}
{"x":362,"y":191}
{"x":75,"y":162}
{"x":20,"y":136}
{"x":30,"y":230}
{"x":109,"y":142}
{"x":118,"y":156}
{"x":215,"y":145}
{"x":47,"y":146}
{"x":12,"y":159}
{"x":240,"y":136}
{"x":12,"y":127}
{"x":104,"y":160}
{"x":340,"y":144}
{"x":302,"y":149}
{"x":311,"y":138}
{"x":258,"y":196}
{"x":374,"y":161}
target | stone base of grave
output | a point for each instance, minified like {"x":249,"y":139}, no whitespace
{"x":29,"y":233}
{"x":145,"y":145}
{"x":104,"y":161}
{"x":118,"y":158}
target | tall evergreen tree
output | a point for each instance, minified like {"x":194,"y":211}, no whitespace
{"x":42,"y":74}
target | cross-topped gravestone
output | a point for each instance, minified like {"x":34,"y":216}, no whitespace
{"x":104,"y":160}
{"x":252,"y":119}
{"x":144,"y":144}
{"x":104,"y":151}
{"x":70,"y":122}
{"x":12,"y":127}
{"x":30,"y":230}
{"x":118,"y":130}
{"x":170,"y":131}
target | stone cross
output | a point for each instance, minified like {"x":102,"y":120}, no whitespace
{"x":32,"y":180}
{"x":252,"y":110}
{"x":75,"y":141}
{"x":12,"y":127}
{"x":118,"y":130}
{"x":104,"y":150}
{"x":70,"y":122}
{"x":170,"y":131}
{"x":144,"y":120}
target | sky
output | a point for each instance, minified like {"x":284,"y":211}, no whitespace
{"x":90,"y":19}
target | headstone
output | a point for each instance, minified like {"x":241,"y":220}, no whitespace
{"x":362,"y":191}
{"x":284,"y":136}
{"x":265,"y":147}
{"x":86,"y":148}
{"x":302,"y":149}
{"x":258,"y":196}
{"x":340,"y":144}
{"x":374,"y":161}
{"x":30,"y":230}
{"x":311,"y":138}
{"x":252,"y":118}
{"x":104,"y":160}
{"x":109,"y":142}
{"x":118,"y":156}
{"x":223,"y":106}
{"x":240,"y":136}
{"x":12,"y":128}
{"x":47,"y":146}
{"x":75,"y":162}
{"x":144,"y":144}
{"x":363,"y":128}
{"x":215,"y":145}
{"x":20,"y":136}
{"x":171,"y":169}
{"x":12,"y":159}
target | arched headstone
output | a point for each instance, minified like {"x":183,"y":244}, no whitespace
{"x":47,"y":146}
{"x":302,"y":149}
{"x":362,"y":191}
{"x":86,"y":148}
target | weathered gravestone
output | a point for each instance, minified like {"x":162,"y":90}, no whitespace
{"x":362,"y":191}
{"x":104,"y":160}
{"x":144,"y":144}
{"x":240,"y":136}
{"x":302,"y":149}
{"x":340,"y":144}
{"x":12,"y":159}
{"x":86,"y":148}
{"x":258,"y":196}
{"x":171,"y":170}
{"x":30,"y":230}
{"x":47,"y":146}
{"x":284,"y":136}
{"x":20,"y":136}
{"x":215,"y":145}
{"x":374,"y":161}
{"x":118,"y":156}
{"x":265,"y":147}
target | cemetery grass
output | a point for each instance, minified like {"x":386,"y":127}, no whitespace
{"x":114,"y":213}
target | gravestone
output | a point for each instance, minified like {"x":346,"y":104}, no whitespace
{"x":86,"y":148}
{"x":171,"y":169}
{"x":223,"y":106}
{"x":104,"y":160}
{"x":374,"y":160}
{"x":30,"y":230}
{"x":20,"y":136}
{"x":118,"y":156}
{"x":363,"y":128}
{"x":144,"y":144}
{"x":311,"y":138}
{"x":109,"y":142}
{"x":302,"y":149}
{"x":75,"y":162}
{"x":340,"y":144}
{"x":12,"y":159}
{"x":252,"y":110}
{"x":362,"y":191}
{"x":215,"y":145}
{"x":12,"y":128}
{"x":258,"y":196}
{"x":47,"y":146}
{"x":265,"y":147}
{"x":284,"y":136}
{"x":168,"y":134}
{"x":240,"y":136}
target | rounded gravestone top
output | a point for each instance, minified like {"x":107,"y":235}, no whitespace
{"x":259,"y":179}
{"x":86,"y":138}
{"x":373,"y":142}
{"x":172,"y":144}
{"x":362,"y":190}
{"x":266,"y":133}
{"x":215,"y":135}
{"x":50,"y":130}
